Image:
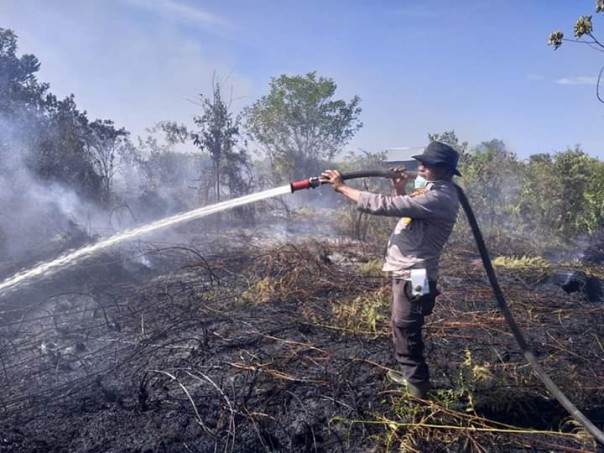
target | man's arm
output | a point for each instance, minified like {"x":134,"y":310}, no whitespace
{"x":349,"y":192}
{"x":334,"y":178}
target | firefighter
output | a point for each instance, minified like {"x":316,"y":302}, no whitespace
{"x":427,"y":216}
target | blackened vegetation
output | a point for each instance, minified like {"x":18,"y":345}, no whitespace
{"x":574,"y":281}
{"x":594,"y":252}
{"x":286,"y":349}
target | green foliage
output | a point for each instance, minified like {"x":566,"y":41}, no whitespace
{"x":583,"y":26}
{"x":524,"y":262}
{"x":372,"y":268}
{"x":21,"y":100}
{"x":58,"y":150}
{"x":563,"y":194}
{"x":104,"y":143}
{"x":360,"y":225}
{"x":555,"y":39}
{"x":218,"y":135}
{"x":450,"y":138}
{"x":362,"y":315}
{"x":158,"y":161}
{"x":593,"y":198}
{"x":298,"y":124}
{"x":582,"y":31}
{"x":52,"y":137}
{"x":490,"y":178}
{"x":18,"y":84}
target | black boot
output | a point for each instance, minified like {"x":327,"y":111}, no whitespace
{"x":418,"y":390}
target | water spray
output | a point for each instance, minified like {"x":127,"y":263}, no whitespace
{"x":501,"y":302}
{"x":46,"y":269}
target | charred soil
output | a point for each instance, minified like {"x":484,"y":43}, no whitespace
{"x":286,"y":349}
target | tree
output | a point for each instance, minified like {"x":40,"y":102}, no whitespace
{"x":563,"y":194}
{"x":491,"y":175}
{"x":450,"y":138}
{"x":298,"y":124}
{"x":358,"y":224}
{"x":22,"y":101}
{"x":538,"y":197}
{"x":60,"y":154}
{"x":583,"y":34}
{"x":158,"y":163}
{"x":54,"y":139}
{"x":160,"y":175}
{"x":104,"y":143}
{"x":218,"y":132}
{"x":18,"y":83}
{"x":593,"y":220}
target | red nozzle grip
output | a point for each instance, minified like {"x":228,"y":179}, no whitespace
{"x":299,"y":185}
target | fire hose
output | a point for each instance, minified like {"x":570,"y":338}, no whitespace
{"x":501,"y":302}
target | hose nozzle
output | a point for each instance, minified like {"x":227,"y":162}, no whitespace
{"x":309,"y":183}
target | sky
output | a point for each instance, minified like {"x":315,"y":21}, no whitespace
{"x":478,"y":67}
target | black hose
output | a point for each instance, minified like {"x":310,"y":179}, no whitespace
{"x":502,"y":304}
{"x":503,"y":308}
{"x":376,"y":174}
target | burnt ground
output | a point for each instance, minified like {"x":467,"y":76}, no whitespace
{"x":285,"y":348}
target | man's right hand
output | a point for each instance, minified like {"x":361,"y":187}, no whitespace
{"x":399,"y":183}
{"x":332,"y":177}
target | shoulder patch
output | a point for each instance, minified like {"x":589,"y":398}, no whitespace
{"x":419,"y":192}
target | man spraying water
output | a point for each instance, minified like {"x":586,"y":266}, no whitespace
{"x":427,"y":218}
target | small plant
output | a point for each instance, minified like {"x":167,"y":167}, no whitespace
{"x":523,"y":262}
{"x":364,"y":314}
{"x":532,"y":268}
{"x":261,"y":292}
{"x":372,"y":267}
{"x":473,"y":377}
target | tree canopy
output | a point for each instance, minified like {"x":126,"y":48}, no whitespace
{"x":299,"y":123}
{"x":50,"y":136}
{"x":218,"y":134}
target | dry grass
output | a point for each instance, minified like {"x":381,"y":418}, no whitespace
{"x":285,"y":349}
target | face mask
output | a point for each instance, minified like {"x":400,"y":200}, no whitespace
{"x":420,"y":182}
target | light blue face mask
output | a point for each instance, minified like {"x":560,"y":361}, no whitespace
{"x":420,"y":182}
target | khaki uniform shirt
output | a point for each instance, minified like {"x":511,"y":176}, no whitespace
{"x":428,"y":216}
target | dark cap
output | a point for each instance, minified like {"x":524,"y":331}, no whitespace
{"x":437,"y":154}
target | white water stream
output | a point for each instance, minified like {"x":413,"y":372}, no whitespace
{"x":49,"y":268}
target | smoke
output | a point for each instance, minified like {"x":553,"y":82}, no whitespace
{"x":37,"y":218}
{"x":34,"y":217}
{"x":159,"y":177}
{"x":41,"y":219}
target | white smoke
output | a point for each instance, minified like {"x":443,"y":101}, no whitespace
{"x":36,"y":217}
